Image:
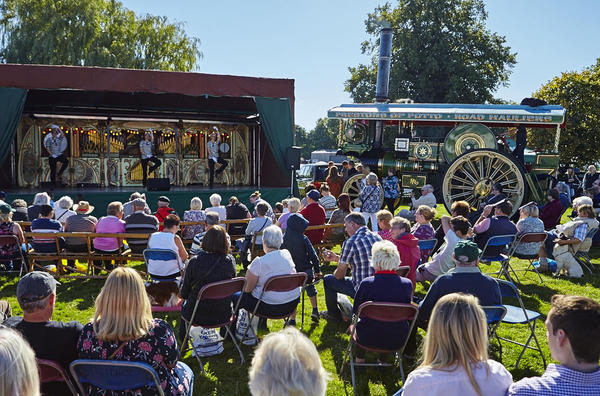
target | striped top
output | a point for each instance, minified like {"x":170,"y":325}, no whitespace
{"x":45,"y":225}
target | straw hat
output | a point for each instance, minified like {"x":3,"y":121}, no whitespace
{"x":83,"y":207}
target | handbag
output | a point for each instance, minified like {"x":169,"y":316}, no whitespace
{"x":206,"y":342}
{"x":248,"y":239}
{"x":243,"y":321}
{"x":368,"y":196}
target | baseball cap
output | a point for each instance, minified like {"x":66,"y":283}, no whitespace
{"x":5,"y":208}
{"x":314,"y":195}
{"x":162,"y":198}
{"x":35,"y":286}
{"x":466,"y":251}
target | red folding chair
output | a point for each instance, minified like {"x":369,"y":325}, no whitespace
{"x":215,"y":291}
{"x":280,"y":283}
{"x":383,"y":312}
{"x":51,"y":371}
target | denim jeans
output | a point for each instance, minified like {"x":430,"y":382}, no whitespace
{"x":334,"y":286}
{"x":549,"y":244}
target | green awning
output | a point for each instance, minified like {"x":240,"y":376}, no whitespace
{"x":12,"y":101}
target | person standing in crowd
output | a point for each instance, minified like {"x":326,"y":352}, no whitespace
{"x":169,"y":240}
{"x":423,"y":230}
{"x":147,"y":155}
{"x":237,"y":211}
{"x":327,"y":201}
{"x":573,"y":325}
{"x":499,"y":224}
{"x":344,"y":172}
{"x":195,"y":214}
{"x":51,"y":340}
{"x":56,"y":143}
{"x":589,"y":178}
{"x":18,"y":369}
{"x":315,"y":214}
{"x":140,"y":222}
{"x":213,"y":155}
{"x":81,"y":222}
{"x":40,"y":199}
{"x":163,"y":210}
{"x":390,"y":190}
{"x":529,"y":223}
{"x":335,"y":181}
{"x":564,"y":194}
{"x":427,"y":198}
{"x":455,"y":353}
{"x":215,"y":202}
{"x":255,"y":199}
{"x":128,"y":206}
{"x":351,"y":169}
{"x":551,"y":212}
{"x":370,"y":197}
{"x":110,"y":224}
{"x":572,"y":181}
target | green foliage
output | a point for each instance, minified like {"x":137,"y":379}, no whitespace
{"x":579,"y":93}
{"x":323,"y":136}
{"x":441,"y":53}
{"x":92,"y":33}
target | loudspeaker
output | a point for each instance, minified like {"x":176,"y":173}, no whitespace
{"x":292,"y":159}
{"x":158,"y":184}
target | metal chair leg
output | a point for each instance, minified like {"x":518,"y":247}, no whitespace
{"x":242,"y":360}
{"x":353,"y":375}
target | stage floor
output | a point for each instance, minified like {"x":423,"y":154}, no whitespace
{"x":180,"y":196}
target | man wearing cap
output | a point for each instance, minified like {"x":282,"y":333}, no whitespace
{"x":147,"y":154}
{"x":315,"y":214}
{"x":163,"y":210}
{"x":51,"y":340}
{"x":213,"y":155}
{"x":465,"y":277}
{"x":486,"y":227}
{"x":82,"y":221}
{"x":56,"y":144}
{"x":45,"y":223}
{"x":139,"y":222}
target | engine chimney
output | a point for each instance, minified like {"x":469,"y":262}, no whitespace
{"x":383,"y":79}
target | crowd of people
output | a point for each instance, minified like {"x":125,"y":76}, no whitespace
{"x":375,"y":244}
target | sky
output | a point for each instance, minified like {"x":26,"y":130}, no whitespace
{"x":314,"y":42}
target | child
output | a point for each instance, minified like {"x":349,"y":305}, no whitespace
{"x":383,"y":222}
{"x":423,"y":228}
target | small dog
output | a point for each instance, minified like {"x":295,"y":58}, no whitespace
{"x":163,"y":294}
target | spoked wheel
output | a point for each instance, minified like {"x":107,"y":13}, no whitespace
{"x":471,"y":177}
{"x":353,"y":186}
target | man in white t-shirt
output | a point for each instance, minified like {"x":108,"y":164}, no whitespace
{"x":456,"y":229}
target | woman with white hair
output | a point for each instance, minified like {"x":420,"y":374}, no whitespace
{"x":62,"y":209}
{"x":386,"y":286}
{"x":287,"y":363}
{"x":370,"y":196}
{"x":40,"y":199}
{"x":529,"y":222}
{"x":215,"y":201}
{"x":275,"y":262}
{"x":293,"y":207}
{"x":19,"y":373}
{"x":194,"y":214}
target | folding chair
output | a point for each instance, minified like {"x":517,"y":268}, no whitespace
{"x":530,"y":237}
{"x":280,"y":283}
{"x":494,"y":315}
{"x":215,"y":291}
{"x":159,"y":255}
{"x":519,"y":315}
{"x":426,"y":244}
{"x":51,"y":371}
{"x":389,"y":312}
{"x":8,"y":240}
{"x":497,"y":241}
{"x":312,"y":283}
{"x":583,"y":257}
{"x":114,"y":375}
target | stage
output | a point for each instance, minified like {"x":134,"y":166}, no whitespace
{"x":180,"y":196}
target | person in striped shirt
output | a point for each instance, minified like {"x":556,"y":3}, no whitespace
{"x":45,"y":223}
{"x":327,"y":201}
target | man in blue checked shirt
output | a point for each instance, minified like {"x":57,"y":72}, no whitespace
{"x":356,"y":255}
{"x":573,"y":325}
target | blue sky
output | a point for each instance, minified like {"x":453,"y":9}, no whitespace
{"x":314,"y":42}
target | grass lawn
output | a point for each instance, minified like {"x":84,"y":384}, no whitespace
{"x":226,"y":377}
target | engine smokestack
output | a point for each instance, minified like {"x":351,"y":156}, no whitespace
{"x":383,"y":71}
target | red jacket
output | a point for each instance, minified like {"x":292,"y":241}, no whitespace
{"x":315,"y":214}
{"x":162,"y":213}
{"x":410,"y":254}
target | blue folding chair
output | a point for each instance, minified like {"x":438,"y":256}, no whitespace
{"x":494,"y":315}
{"x":530,"y":237}
{"x":159,"y":255}
{"x":426,"y":244}
{"x":505,"y":241}
{"x":519,"y":315}
{"x":114,"y":375}
{"x":583,"y":257}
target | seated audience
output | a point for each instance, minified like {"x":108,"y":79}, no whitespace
{"x":427,"y":198}
{"x":564,"y":194}
{"x":39,"y":200}
{"x":163,"y":210}
{"x":293,"y":207}
{"x":551,"y":212}
{"x":495,"y":196}
{"x":458,"y":208}
{"x":5,"y":311}
{"x":529,"y":223}
{"x":278,"y":208}
{"x":423,"y":228}
{"x":589,"y":177}
{"x":455,"y":353}
{"x":9,"y":227}
{"x":287,"y":363}
{"x":315,"y":214}
{"x":45,"y":224}
{"x":212,"y":263}
{"x":309,"y":187}
{"x":304,"y":256}
{"x":573,"y":325}
{"x":123,"y":329}
{"x":327,"y":201}
{"x":255,"y":199}
{"x":335,"y":181}
{"x":284,"y":203}
{"x":110,"y":224}
{"x":275,"y":262}
{"x":51,"y":340}
{"x":139,"y":222}
{"x":384,"y":286}
{"x":216,"y":207}
{"x":465,"y":277}
{"x":167,"y":239}
{"x":407,"y":245}
{"x":456,"y":229}
{"x":391,"y":191}
{"x":62,"y":209}
{"x":370,"y":196}
{"x":18,"y":368}
{"x":258,"y":224}
{"x":384,"y":217}
{"x":82,"y":221}
{"x":212,"y":219}
{"x":128,"y":208}
{"x":337,"y":234}
{"x":237,"y":211}
{"x":577,"y":202}
{"x":499,"y":224}
{"x":355,"y":255}
{"x":194,"y":214}
{"x":20,"y":210}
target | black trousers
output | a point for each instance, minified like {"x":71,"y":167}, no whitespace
{"x":154,"y":167}
{"x":52,"y":162}
{"x":390,"y":203}
{"x":211,"y":168}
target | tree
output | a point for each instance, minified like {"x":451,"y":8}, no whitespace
{"x":441,"y":53}
{"x":579,"y":93}
{"x":92,"y":33}
{"x":323,"y":136}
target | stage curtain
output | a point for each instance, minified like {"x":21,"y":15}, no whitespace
{"x":278,"y":126}
{"x":12,"y":101}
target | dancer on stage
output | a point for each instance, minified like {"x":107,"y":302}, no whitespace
{"x":146,"y":151}
{"x":213,"y":155}
{"x":56,"y":144}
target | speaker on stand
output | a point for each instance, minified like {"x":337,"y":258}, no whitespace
{"x":158,"y":184}
{"x":292,"y":161}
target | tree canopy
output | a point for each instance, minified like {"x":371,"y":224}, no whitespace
{"x":579,"y":93}
{"x":92,"y":33}
{"x":442,"y":52}
{"x":323,"y":136}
